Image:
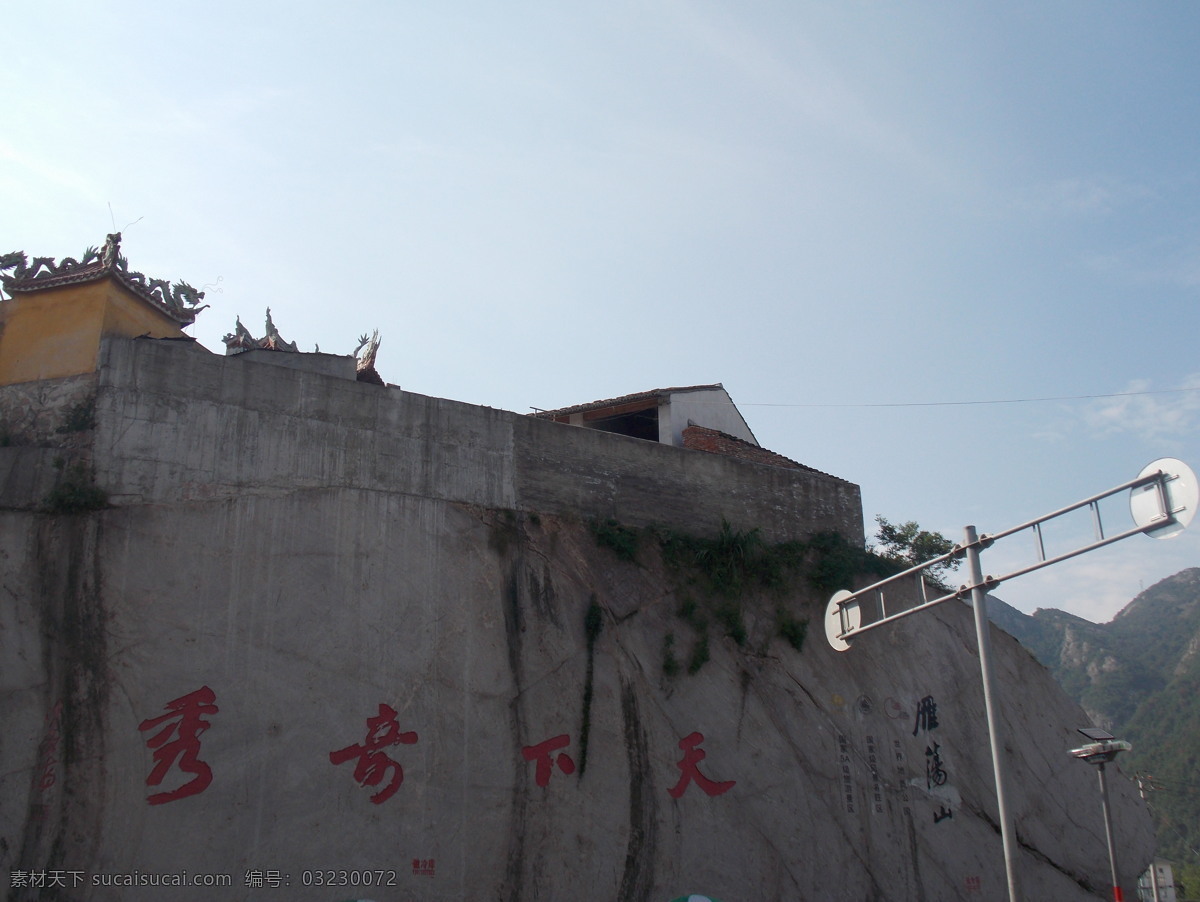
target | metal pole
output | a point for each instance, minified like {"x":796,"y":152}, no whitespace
{"x":1118,"y":896}
{"x":1153,"y":861}
{"x":979,"y":602}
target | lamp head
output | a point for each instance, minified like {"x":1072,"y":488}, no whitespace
{"x":1101,"y":752}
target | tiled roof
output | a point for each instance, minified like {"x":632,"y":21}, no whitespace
{"x":86,"y":273}
{"x":701,"y":438}
{"x":655,"y":394}
{"x":93,"y":272}
{"x":45,"y":274}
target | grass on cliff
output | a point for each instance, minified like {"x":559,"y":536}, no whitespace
{"x":716,"y":575}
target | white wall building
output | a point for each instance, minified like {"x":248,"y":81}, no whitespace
{"x":1166,"y":883}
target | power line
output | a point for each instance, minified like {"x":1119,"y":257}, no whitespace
{"x":1172,"y":786}
{"x":1122,"y":394}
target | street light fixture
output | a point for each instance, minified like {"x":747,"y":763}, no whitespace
{"x":1103,"y":749}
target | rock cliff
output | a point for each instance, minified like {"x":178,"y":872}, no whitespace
{"x":311,"y":689}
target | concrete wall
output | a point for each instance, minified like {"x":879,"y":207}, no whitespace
{"x":304,"y":554}
{"x":37,"y":413}
{"x":304,"y":612}
{"x":246,"y":426}
{"x":340,"y":365}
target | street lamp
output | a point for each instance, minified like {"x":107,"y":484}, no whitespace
{"x":1103,"y":749}
{"x":1163,"y":500}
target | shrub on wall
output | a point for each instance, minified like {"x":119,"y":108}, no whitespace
{"x":75,"y":492}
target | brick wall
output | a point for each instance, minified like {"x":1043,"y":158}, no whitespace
{"x":701,"y":438}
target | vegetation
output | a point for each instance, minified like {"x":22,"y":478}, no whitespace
{"x":80,"y":417}
{"x":1139,"y":676}
{"x":736,"y":562}
{"x":793,"y":630}
{"x":1187,"y":880}
{"x":835,"y":562}
{"x":690,"y":613}
{"x":1165,"y":733}
{"x":715,"y":575}
{"x":907,"y":545}
{"x":620,"y":540}
{"x":75,"y":492}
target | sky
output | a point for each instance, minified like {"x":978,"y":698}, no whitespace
{"x":949,"y":252}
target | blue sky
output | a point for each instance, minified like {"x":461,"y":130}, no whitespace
{"x":856,"y":216}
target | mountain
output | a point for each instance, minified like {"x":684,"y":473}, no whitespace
{"x":1138,"y":676}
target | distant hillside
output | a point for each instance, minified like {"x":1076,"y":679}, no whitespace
{"x":1138,"y":676}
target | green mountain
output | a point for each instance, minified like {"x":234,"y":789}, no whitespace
{"x":1138,"y":676}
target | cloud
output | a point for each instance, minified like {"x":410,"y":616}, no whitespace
{"x":1181,"y":266}
{"x":40,"y":169}
{"x":1097,"y":585}
{"x":804,"y":80}
{"x":1167,"y":413}
{"x":1082,"y":196}
{"x":1168,"y":260}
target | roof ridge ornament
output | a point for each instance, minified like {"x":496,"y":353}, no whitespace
{"x":240,"y":339}
{"x":112,"y":249}
{"x":179,"y":300}
{"x":364,"y":363}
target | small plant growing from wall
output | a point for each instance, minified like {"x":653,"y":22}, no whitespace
{"x":79,"y":417}
{"x":690,"y":613}
{"x":792,"y":629}
{"x":619,"y":539}
{"x":719,"y":574}
{"x":76,"y":491}
{"x":729,"y":615}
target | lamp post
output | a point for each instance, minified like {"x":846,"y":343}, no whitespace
{"x":1163,"y":500}
{"x":1103,"y":750}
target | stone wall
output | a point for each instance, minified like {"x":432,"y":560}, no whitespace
{"x":39,"y":413}
{"x":862,"y":775}
{"x":177,"y":422}
{"x":331,"y":632}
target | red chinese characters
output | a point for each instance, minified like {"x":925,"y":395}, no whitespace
{"x":545,"y":763}
{"x":178,"y":743}
{"x":174,"y":737}
{"x":689,"y":769}
{"x":373,"y":765}
{"x":424,"y":867}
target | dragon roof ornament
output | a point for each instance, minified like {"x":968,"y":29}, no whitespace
{"x":364,"y":358}
{"x":240,"y":339}
{"x":178,"y":300}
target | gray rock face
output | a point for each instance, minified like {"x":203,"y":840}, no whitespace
{"x":317,"y":688}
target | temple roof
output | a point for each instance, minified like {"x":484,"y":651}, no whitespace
{"x":179,"y":301}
